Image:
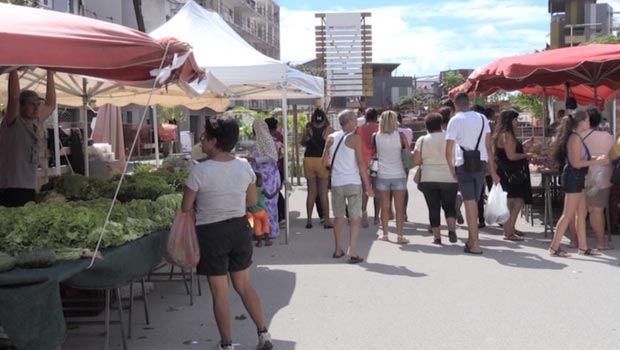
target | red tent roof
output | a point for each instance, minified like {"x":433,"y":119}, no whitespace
{"x":593,"y":65}
{"x":81,"y":45}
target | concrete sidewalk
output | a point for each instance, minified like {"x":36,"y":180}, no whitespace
{"x":417,"y":296}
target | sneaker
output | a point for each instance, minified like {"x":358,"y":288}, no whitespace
{"x":227,"y":347}
{"x":264,"y":341}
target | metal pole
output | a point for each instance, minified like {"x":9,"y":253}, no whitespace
{"x":156,"y":135}
{"x":56,"y":125}
{"x":286,"y":184}
{"x":84,"y":115}
{"x":296,"y":146}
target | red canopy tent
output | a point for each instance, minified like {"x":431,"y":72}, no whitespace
{"x":583,"y":94}
{"x":89,"y":47}
{"x":85,"y":46}
{"x":593,"y":65}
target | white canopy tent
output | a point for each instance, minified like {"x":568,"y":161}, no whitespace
{"x":246,"y":72}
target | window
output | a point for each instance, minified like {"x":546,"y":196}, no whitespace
{"x":129,"y":118}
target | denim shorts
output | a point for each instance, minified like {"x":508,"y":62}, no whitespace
{"x":573,"y":180}
{"x":391,"y":184}
{"x":470,"y":184}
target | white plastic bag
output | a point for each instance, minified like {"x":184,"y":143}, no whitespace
{"x":182,"y":248}
{"x":594,"y":179}
{"x":496,"y":211}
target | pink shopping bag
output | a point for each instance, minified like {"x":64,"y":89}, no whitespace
{"x":182,"y":247}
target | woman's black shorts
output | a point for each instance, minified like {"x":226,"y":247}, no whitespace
{"x":573,"y":180}
{"x":225,"y":246}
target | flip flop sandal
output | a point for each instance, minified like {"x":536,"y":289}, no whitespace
{"x":513,"y":237}
{"x":558,"y":252}
{"x":589,"y":252}
{"x":355,"y":260}
{"x":606,"y":247}
{"x":402,"y":240}
{"x":336,"y":256}
{"x":383,"y":238}
{"x":468,"y":250}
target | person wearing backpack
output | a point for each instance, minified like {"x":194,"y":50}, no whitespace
{"x":468,"y":153}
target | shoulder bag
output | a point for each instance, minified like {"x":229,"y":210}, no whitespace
{"x":405,"y":154}
{"x":417,"y":177}
{"x":472,"y":162}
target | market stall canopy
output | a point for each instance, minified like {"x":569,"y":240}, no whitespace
{"x":582,"y":93}
{"x":594,"y":65}
{"x":130,"y":57}
{"x":80,"y":45}
{"x":248,"y":73}
{"x":70,"y":91}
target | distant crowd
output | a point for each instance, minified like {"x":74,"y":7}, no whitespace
{"x":466,"y":150}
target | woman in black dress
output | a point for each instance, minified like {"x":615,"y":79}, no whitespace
{"x":513,"y":170}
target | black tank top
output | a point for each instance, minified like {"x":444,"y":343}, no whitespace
{"x":316,"y":143}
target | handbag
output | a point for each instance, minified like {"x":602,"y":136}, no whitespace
{"x":472,"y":162}
{"x":417,"y":177}
{"x":517,"y":177}
{"x":405,"y":155}
{"x":329,"y":178}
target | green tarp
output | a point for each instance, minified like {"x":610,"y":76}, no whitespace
{"x":30,"y":305}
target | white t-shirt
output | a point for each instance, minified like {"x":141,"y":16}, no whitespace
{"x":221,"y":188}
{"x":464,"y":128}
{"x":434,"y":164}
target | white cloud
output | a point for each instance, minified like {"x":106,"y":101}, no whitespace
{"x":427,"y":39}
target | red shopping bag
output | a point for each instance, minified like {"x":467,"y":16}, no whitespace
{"x":182,"y":248}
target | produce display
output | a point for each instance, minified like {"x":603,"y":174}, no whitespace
{"x":68,"y":220}
{"x":36,"y":258}
{"x":146,"y":185}
{"x":7,"y":262}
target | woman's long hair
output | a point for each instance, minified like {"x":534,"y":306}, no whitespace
{"x":569,"y":123}
{"x":388,"y":122}
{"x":504,"y":125}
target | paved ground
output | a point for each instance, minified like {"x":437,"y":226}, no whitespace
{"x":419,"y":296}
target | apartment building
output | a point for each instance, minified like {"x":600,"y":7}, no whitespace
{"x":257,"y":21}
{"x":576,"y":21}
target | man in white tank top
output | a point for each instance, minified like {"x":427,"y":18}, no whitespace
{"x":343,"y":152}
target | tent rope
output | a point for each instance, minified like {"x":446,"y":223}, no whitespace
{"x":133,"y":145}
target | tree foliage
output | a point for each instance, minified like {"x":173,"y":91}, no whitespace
{"x":603,"y":39}
{"x":171,"y":113}
{"x":531,"y":103}
{"x":451,"y":80}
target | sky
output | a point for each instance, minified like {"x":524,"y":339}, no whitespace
{"x":427,"y":36}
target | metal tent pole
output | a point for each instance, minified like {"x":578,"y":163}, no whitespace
{"x":286,"y":187}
